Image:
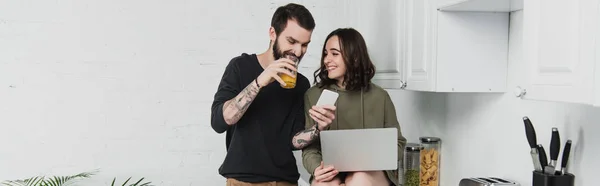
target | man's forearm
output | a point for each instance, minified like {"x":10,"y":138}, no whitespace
{"x":305,"y":137}
{"x":235,"y":108}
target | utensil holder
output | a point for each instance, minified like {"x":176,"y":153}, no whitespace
{"x":541,"y":179}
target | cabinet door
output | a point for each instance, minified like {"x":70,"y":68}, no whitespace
{"x":559,"y":50}
{"x":380,"y":23}
{"x":597,"y":71}
{"x":419,"y":42}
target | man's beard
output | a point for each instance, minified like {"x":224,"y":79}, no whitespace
{"x":277,"y":53}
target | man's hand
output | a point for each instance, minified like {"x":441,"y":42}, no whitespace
{"x":323,"y":115}
{"x":325,"y":173}
{"x":271,"y":73}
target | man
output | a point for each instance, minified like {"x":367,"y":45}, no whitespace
{"x":259,"y":116}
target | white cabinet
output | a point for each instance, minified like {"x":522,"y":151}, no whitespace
{"x":439,"y":50}
{"x":597,"y":71}
{"x":379,"y":24}
{"x":559,"y":40}
{"x":462,"y":45}
{"x":454,"y":51}
{"x":597,"y":74}
{"x":436,"y":45}
{"x":481,"y":5}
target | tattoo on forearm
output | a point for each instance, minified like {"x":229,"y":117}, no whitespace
{"x":305,"y":137}
{"x":235,"y":108}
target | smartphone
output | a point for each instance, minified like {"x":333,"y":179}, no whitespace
{"x":327,"y":97}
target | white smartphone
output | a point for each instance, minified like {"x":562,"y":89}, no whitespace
{"x":327,"y":97}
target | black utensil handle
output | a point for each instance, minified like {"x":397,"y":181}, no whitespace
{"x":566,"y":153}
{"x":554,"y":144}
{"x":542,"y":155}
{"x":530,"y":132}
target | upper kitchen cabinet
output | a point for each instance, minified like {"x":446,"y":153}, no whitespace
{"x":481,"y":5}
{"x":560,"y":47}
{"x":455,"y":46}
{"x":435,"y":45}
{"x":597,"y":70}
{"x":378,"y":23}
{"x":597,"y":74}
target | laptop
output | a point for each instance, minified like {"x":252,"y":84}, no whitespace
{"x":360,"y":149}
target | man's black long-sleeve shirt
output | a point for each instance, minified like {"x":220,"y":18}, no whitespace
{"x":259,"y":146}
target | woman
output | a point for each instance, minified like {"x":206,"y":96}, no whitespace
{"x":346,"y":68}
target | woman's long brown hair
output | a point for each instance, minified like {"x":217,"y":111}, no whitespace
{"x":359,"y":67}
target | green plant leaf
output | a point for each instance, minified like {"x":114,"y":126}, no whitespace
{"x":51,"y":181}
{"x":66,"y":180}
{"x":126,"y":181}
{"x":33,"y":181}
{"x":138,"y":182}
{"x":133,"y":184}
{"x":14,"y":183}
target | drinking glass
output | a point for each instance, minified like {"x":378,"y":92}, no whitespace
{"x":290,"y":82}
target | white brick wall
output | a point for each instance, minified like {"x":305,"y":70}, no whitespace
{"x":126,"y":86}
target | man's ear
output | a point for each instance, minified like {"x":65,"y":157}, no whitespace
{"x":272,"y":34}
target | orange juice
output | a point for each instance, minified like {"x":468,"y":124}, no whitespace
{"x":290,"y":82}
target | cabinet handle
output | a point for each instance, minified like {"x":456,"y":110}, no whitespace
{"x":402,"y":84}
{"x":520,"y":92}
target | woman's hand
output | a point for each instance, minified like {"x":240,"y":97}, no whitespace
{"x":323,"y":115}
{"x":325,"y":173}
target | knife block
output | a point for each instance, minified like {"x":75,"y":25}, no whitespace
{"x":541,"y":179}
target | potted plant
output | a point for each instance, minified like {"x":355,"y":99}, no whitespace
{"x":48,"y":181}
{"x":66,"y":180}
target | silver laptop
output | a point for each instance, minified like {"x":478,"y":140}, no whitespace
{"x":360,"y":149}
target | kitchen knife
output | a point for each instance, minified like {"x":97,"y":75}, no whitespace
{"x":532,"y":139}
{"x":565,"y":157}
{"x":554,"y":150}
{"x":543,"y":157}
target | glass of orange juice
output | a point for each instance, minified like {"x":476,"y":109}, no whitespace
{"x":290,"y":82}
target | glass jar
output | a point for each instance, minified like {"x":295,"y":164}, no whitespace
{"x":430,"y":161}
{"x":412,"y":155}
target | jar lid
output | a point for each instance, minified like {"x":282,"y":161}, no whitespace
{"x":429,"y":139}
{"x":413,"y":147}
